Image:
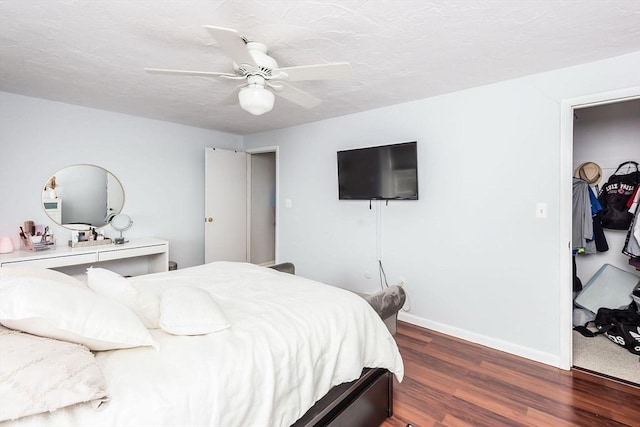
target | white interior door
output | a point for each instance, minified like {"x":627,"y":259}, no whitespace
{"x":225,"y":205}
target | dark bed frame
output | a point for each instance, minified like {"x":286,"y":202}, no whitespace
{"x":367,"y":401}
{"x":364,"y":402}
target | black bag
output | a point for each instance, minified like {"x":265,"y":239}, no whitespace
{"x":622,"y":326}
{"x":614,"y":196}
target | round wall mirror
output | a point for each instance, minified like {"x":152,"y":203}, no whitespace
{"x":82,"y":196}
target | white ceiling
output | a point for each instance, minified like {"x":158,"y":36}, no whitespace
{"x":92,"y":52}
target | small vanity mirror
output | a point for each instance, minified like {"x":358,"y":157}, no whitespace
{"x":82,"y":196}
{"x":121,"y":222}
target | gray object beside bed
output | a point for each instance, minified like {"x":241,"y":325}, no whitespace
{"x":387,"y":302}
{"x":368,"y":400}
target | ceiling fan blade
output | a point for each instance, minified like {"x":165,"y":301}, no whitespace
{"x":295,"y":95}
{"x":232,"y":43}
{"x":191,"y":73}
{"x":337,"y":70}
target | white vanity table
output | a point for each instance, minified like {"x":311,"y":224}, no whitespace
{"x":154,"y":251}
{"x":92,"y":195}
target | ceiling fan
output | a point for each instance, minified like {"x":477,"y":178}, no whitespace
{"x":261,"y":74}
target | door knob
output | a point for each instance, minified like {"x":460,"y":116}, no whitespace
{"x":209,"y":219}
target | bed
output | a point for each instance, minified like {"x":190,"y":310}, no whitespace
{"x":222,"y":344}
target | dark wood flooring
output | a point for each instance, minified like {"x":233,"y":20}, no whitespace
{"x":452,"y":382}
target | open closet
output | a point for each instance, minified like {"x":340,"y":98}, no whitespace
{"x":604,"y":137}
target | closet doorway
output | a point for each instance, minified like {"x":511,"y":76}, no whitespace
{"x":604,"y":129}
{"x":262,"y":212}
{"x":241,"y":205}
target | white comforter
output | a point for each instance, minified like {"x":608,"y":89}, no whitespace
{"x":290,"y":341}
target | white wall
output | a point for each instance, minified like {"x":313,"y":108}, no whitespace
{"x":160,"y":165}
{"x":477,"y":262}
{"x":607,"y":135}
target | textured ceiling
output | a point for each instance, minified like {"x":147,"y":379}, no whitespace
{"x":92,"y":52}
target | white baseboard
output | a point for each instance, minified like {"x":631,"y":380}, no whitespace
{"x":518,"y":350}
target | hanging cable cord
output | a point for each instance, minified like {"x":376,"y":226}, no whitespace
{"x":381,"y":272}
{"x":382,"y":275}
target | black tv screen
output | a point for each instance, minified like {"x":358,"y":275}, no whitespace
{"x":386,"y":172}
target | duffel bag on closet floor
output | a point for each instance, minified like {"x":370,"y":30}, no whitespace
{"x":621,"y":326}
{"x":615,"y":194}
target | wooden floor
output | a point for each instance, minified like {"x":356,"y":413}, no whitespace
{"x":451,"y":382}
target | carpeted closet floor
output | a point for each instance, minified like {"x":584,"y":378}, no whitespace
{"x":598,"y":354}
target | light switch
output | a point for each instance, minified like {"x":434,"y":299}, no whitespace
{"x":541,"y":210}
{"x":288,"y":203}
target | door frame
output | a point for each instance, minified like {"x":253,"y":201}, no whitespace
{"x":566,"y":196}
{"x":261,"y":150}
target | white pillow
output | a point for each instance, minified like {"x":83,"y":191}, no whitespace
{"x":38,"y":272}
{"x":69,"y":313}
{"x":41,"y":375}
{"x":145,"y":305}
{"x":187,"y":310}
{"x":109,"y":283}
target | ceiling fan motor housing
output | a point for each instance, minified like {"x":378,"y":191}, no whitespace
{"x":265,"y":63}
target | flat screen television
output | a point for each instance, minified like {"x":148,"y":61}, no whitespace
{"x":386,"y":172}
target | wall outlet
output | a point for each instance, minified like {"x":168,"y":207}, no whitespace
{"x":401,"y":281}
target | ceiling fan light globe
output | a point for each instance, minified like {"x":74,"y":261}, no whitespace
{"x":256,"y":100}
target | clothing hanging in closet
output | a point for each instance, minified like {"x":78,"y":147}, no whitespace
{"x":587,"y":233}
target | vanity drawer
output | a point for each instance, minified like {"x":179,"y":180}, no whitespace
{"x":54,"y":261}
{"x":131,"y":252}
